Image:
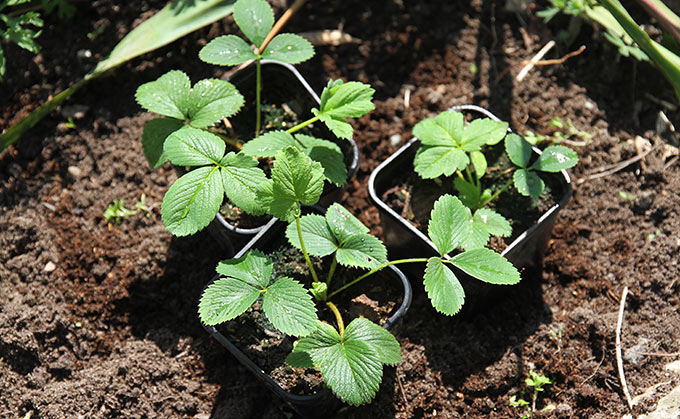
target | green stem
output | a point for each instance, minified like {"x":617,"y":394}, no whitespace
{"x":498,"y":192}
{"x":338,"y":317}
{"x":332,"y":271}
{"x":304,"y":250}
{"x":302,"y":125}
{"x":371,"y":272}
{"x":471,"y":179}
{"x":258,"y":87}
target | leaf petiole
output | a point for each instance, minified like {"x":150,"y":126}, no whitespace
{"x":302,"y":125}
{"x":498,"y":192}
{"x":338,"y":317}
{"x":258,"y":88}
{"x":304,"y":250}
{"x":332,"y":271}
{"x":372,"y":271}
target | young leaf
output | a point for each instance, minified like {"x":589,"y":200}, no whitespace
{"x":328,"y":154}
{"x":318,"y":238}
{"x":468,"y":193}
{"x":225,"y":299}
{"x":342,"y":223}
{"x":289,"y":307}
{"x":227,"y":50}
{"x":241,"y":178}
{"x":433,"y":161}
{"x":192,"y":201}
{"x":481,"y":132}
{"x":443,"y":288}
{"x":344,"y":100}
{"x":295,"y":180}
{"x":488,"y":266}
{"x":556,"y":158}
{"x":479,"y":163}
{"x":269,"y":144}
{"x":255,"y":18}
{"x":350,"y":367}
{"x":153,"y":137}
{"x":445,"y":129}
{"x":448,"y":223}
{"x":361,"y":250}
{"x":289,"y":48}
{"x":167,"y":95}
{"x":380,"y":339}
{"x":528,"y":183}
{"x":212,"y":100}
{"x":254,"y":268}
{"x":518,"y":149}
{"x":193,"y":147}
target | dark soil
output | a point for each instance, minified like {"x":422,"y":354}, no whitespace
{"x":99,"y":320}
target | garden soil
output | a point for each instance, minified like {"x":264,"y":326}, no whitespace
{"x":98,"y":319}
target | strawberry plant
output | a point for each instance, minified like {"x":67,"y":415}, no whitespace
{"x":350,"y":358}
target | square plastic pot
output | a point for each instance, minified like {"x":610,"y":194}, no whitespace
{"x":280,"y":83}
{"x":323,"y":403}
{"x":404,"y":240}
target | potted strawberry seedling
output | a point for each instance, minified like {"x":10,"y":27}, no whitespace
{"x":497,"y":175}
{"x":348,"y":351}
{"x":233,"y":169}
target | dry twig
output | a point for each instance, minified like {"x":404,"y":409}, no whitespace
{"x":619,"y":360}
{"x":558,"y":60}
{"x":523,"y":73}
{"x":610,"y":170}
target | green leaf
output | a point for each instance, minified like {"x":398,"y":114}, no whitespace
{"x":338,"y":126}
{"x":528,"y":183}
{"x":477,"y":236}
{"x":342,"y":223}
{"x":468,"y":193}
{"x":488,"y":266}
{"x":481,"y":132}
{"x":518,"y":149}
{"x":225,"y":299}
{"x":255,"y":18}
{"x":479,"y":163}
{"x":318,"y":238}
{"x":241,"y":178}
{"x":192,"y":201}
{"x":167,"y":95}
{"x":433,"y":161}
{"x":254,"y":268}
{"x":289,"y":48}
{"x":296,"y":180}
{"x":212,"y":100}
{"x":299,"y":358}
{"x":226,"y":50}
{"x":446,"y":129}
{"x":443,"y":288}
{"x":193,"y":147}
{"x":153,"y":138}
{"x":344,"y":100}
{"x":328,"y":154}
{"x":494,"y":223}
{"x":269,"y":144}
{"x":380,"y":339}
{"x":289,"y":307}
{"x":361,"y":250}
{"x":350,"y":367}
{"x":326,"y":93}
{"x":556,"y":158}
{"x":449,"y":222}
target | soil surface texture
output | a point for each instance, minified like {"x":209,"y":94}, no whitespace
{"x":99,"y":320}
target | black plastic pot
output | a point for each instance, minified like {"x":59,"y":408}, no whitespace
{"x":404,"y":240}
{"x":280,"y":83}
{"x":323,"y":403}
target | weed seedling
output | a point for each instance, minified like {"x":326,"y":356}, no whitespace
{"x":117,"y":210}
{"x":535,"y":384}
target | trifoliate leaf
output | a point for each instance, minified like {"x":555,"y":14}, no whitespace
{"x":254,"y":268}
{"x":241,"y":178}
{"x":380,"y":339}
{"x":326,"y":93}
{"x":361,"y":250}
{"x":344,"y":100}
{"x":443,"y":288}
{"x":296,"y":180}
{"x":488,"y":266}
{"x":433,"y":161}
{"x":445,"y":129}
{"x":193,"y":147}
{"x":495,"y":223}
{"x":269,"y":144}
{"x":289,"y":307}
{"x":468,"y":193}
{"x":528,"y":183}
{"x":153,"y":137}
{"x":350,"y":367}
{"x":168,"y":95}
{"x":556,"y":158}
{"x":342,"y":223}
{"x":481,"y":132}
{"x":225,"y":299}
{"x":192,"y":201}
{"x":288,"y":48}
{"x":478,"y":163}
{"x":518,"y":149}
{"x":255,"y":18}
{"x":328,"y":154}
{"x":212,"y":100}
{"x":317,"y":236}
{"x":449,"y":223}
{"x":226,"y":50}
